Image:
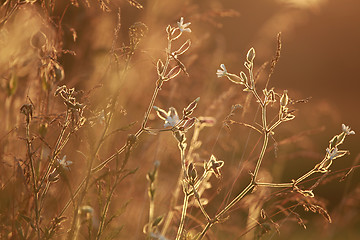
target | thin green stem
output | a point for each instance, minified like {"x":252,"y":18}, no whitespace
{"x":200,"y":204}
{"x":204,"y":231}
{"x":175,"y":196}
{"x":235,"y":200}
{"x":56,"y":150}
{"x":151,"y":212}
{"x":227,"y":208}
{"x":118,"y":179}
{"x":277,"y":123}
{"x":306,"y":175}
{"x":173,"y":201}
{"x":201,"y":179}
{"x":275,"y":185}
{"x":33,"y":175}
{"x":74,"y":229}
{"x":105,"y":210}
{"x":261,"y":156}
{"x":152,"y":101}
{"x":183,"y":216}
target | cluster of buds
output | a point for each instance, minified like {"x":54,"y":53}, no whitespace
{"x":172,"y":73}
{"x":211,"y":166}
{"x":72,"y":105}
{"x":269,"y":96}
{"x":332,"y":152}
{"x":173,"y":34}
{"x":249,"y":82}
{"x":285,"y":114}
{"x":242,"y":78}
{"x":178,"y":126}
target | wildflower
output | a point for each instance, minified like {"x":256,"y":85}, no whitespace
{"x":171,"y":117}
{"x":335,"y":153}
{"x":347,"y":130}
{"x":214,"y":166}
{"x":183,"y":27}
{"x":223,"y":72}
{"x":63,"y":163}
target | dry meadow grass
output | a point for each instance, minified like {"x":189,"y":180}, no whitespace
{"x":121,"y":120}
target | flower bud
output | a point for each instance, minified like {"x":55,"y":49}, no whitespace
{"x":159,"y":67}
{"x":250,"y":55}
{"x":188,"y":124}
{"x":161,"y":113}
{"x":189,"y":109}
{"x":173,"y":72}
{"x":284,"y":100}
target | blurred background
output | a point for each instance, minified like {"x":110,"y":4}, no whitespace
{"x":319,"y":60}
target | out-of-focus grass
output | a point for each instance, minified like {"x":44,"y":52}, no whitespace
{"x":80,"y":39}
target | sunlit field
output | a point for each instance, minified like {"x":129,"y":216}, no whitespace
{"x":183,"y":120}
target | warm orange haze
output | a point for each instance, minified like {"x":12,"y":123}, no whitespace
{"x":179,"y":120}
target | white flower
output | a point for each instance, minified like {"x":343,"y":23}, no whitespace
{"x":172,"y":118}
{"x":335,"y":153}
{"x":223,"y":72}
{"x":183,"y":27}
{"x":347,"y":130}
{"x":63,"y":163}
